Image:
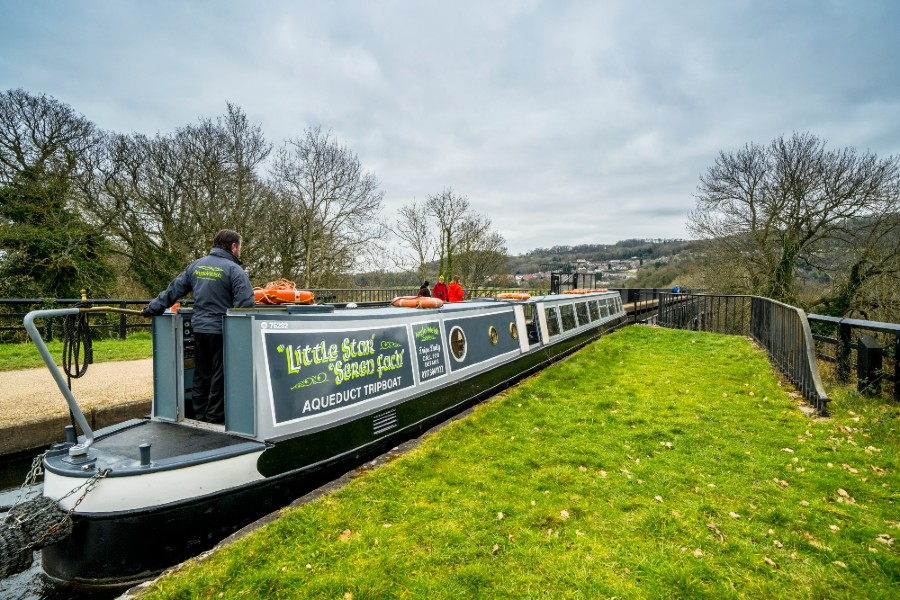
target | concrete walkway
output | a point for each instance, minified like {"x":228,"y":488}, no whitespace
{"x":34,"y":413}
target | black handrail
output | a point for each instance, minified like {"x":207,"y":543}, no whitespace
{"x":844,"y":345}
{"x":781,"y":329}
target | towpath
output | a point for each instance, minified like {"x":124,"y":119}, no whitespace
{"x":33,"y":411}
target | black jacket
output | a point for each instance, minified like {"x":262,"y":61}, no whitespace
{"x":218,"y":283}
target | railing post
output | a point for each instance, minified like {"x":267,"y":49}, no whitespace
{"x":843,"y":352}
{"x":868,"y":365}
{"x":123,"y":325}
{"x":897,"y":367}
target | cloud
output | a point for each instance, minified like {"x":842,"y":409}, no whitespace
{"x":564,"y":122}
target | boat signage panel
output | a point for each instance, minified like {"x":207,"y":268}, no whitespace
{"x":429,"y":350}
{"x":315,"y":372}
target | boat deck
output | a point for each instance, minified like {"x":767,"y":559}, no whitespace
{"x":172,"y":445}
{"x":167,"y":440}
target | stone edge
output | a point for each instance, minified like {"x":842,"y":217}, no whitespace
{"x":37,"y":433}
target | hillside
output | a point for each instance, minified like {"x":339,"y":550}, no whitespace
{"x":628,"y":263}
{"x":642,"y":249}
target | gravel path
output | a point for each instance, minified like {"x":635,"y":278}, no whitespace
{"x":33,"y":392}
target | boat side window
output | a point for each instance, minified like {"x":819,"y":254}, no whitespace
{"x":604,"y":308}
{"x":581,"y":309}
{"x":528,"y":311}
{"x":552,"y":321}
{"x":617,"y":305}
{"x":458,"y":343}
{"x":567,"y":312}
{"x":531,"y":327}
{"x":595,"y":310}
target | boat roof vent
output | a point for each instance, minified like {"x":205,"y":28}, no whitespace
{"x":294,"y":309}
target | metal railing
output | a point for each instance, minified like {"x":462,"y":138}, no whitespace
{"x":843,"y":345}
{"x":13,"y":310}
{"x":704,"y":312}
{"x":642,"y":303}
{"x":781,"y":329}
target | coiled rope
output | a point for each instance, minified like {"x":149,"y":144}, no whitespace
{"x":283,"y":291}
{"x":78,"y":349}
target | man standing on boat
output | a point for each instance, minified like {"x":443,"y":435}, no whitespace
{"x":440,"y":290}
{"x":218,"y":283}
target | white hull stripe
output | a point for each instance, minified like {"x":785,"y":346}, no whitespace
{"x":139,"y":491}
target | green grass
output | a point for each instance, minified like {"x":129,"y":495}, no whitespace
{"x":652,"y":464}
{"x":25,"y":355}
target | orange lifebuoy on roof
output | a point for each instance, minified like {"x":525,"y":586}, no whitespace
{"x":282,"y":291}
{"x":513,"y":296}
{"x":417,"y":302}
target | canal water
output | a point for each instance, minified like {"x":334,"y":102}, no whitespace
{"x":31,"y":583}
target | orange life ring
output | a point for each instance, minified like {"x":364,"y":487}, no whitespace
{"x":282,"y":291}
{"x":417,"y":302}
{"x":513,"y":296}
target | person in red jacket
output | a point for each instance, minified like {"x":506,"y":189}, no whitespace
{"x":455,"y":290}
{"x":440,"y":290}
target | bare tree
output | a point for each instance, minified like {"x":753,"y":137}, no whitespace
{"x":448,"y":210}
{"x":767,"y":211}
{"x":332,"y":207}
{"x":445,"y":227}
{"x":415,"y":229}
{"x":40,"y":135}
{"x":864,"y":268}
{"x":481,"y":251}
{"x":164,"y":198}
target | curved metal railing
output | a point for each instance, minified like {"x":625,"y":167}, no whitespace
{"x":781,"y":329}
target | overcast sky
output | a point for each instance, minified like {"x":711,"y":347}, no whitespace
{"x":564,"y":122}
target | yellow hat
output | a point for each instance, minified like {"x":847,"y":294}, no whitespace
{"x":440,"y":277}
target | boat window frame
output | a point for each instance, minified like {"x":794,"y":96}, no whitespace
{"x":594,"y":310}
{"x":553,"y":326}
{"x":528,"y":311}
{"x":568,"y":319}
{"x":604,"y":307}
{"x":579,"y":307}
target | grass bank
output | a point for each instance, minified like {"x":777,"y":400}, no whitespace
{"x":25,"y":355}
{"x":653,"y":463}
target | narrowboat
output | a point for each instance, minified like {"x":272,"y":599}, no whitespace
{"x":311,"y":392}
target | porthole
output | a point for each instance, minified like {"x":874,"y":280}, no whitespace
{"x":513,"y":331}
{"x":492,"y":335}
{"x":458,"y":344}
